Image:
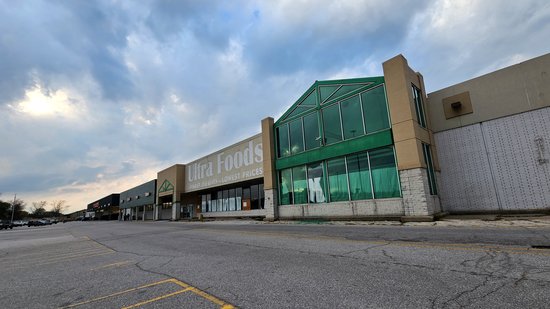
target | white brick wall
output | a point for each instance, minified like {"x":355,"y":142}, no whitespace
{"x":416,"y":193}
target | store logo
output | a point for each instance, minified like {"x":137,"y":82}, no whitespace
{"x":226,"y":162}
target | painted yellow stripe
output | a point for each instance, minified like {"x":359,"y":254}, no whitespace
{"x":203,"y":294}
{"x":58,"y":261}
{"x":156,"y":299}
{"x":118,"y":293}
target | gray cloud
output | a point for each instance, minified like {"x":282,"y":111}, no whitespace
{"x":154,"y":83}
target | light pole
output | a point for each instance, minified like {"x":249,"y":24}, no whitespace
{"x":13,"y":208}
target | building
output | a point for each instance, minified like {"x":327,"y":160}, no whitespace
{"x":493,"y":136}
{"x":105,"y":208}
{"x":358,"y":148}
{"x":376,"y":147}
{"x":138,"y":202}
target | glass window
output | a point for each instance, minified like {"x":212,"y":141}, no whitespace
{"x":316,"y":183}
{"x":337,"y":180}
{"x":238,"y":197}
{"x":283,"y":141}
{"x":296,"y":137}
{"x":254,"y":197}
{"x":232,"y":205}
{"x":311,"y":131}
{"x":419,"y":107}
{"x":285,"y":187}
{"x":299,"y":184}
{"x":384,"y":173}
{"x":359,"y":176}
{"x":375,"y":110}
{"x":225,"y":204}
{"x":203,"y":204}
{"x":352,"y":119}
{"x":331,"y":124}
{"x":326,"y":91}
{"x":429,"y":164}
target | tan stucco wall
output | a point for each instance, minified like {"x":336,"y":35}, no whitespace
{"x":268,"y":141}
{"x":515,"y":89}
{"x":407,"y":133}
{"x":176,"y":176}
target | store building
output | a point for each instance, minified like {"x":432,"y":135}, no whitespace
{"x":493,"y":136}
{"x":105,"y":208}
{"x":169,"y":188}
{"x":227,"y":183}
{"x":138,"y":203}
{"x":358,"y":148}
{"x":376,"y":147}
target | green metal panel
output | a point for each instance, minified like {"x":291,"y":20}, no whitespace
{"x":166,"y":186}
{"x":371,"y":141}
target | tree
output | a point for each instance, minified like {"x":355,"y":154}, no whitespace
{"x":38,"y":209}
{"x":5,"y":210}
{"x":18,"y":209}
{"x":57,"y":207}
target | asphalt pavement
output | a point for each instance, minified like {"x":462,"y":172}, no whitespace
{"x":251,"y":264}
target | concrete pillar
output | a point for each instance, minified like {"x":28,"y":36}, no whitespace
{"x":409,"y":136}
{"x":143,"y":214}
{"x":270,"y":173}
{"x":176,"y":211}
{"x":155,"y":212}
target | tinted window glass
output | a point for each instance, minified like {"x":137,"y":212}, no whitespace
{"x":316,"y":183}
{"x":285,"y":187}
{"x":331,"y":124}
{"x":299,"y":184}
{"x":338,"y":180}
{"x":359,"y":177}
{"x":352,"y":119}
{"x":296,"y":137}
{"x":283,"y":141}
{"x":311,"y":131}
{"x":384,"y":173}
{"x":375,"y":110}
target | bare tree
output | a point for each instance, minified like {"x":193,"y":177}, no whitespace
{"x":58,"y":206}
{"x":38,"y":209}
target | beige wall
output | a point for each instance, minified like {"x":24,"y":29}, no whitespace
{"x":176,"y":176}
{"x":270,"y":174}
{"x":408,"y":135}
{"x":239,"y":162}
{"x":515,"y":89}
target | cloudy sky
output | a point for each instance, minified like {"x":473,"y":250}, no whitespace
{"x":97,"y":96}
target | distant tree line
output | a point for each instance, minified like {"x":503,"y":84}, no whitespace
{"x":41,"y":209}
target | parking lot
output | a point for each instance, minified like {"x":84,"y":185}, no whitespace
{"x":234,"y":264}
{"x":49,"y":267}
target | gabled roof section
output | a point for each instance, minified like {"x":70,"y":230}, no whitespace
{"x":324,"y":92}
{"x":166,"y":186}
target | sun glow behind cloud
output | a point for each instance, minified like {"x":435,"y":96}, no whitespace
{"x":40,"y":103}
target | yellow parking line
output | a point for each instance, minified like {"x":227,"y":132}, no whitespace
{"x":59,"y":260}
{"x":157,"y":298}
{"x":203,"y":294}
{"x":118,"y":293}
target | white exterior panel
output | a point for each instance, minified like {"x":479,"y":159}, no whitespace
{"x":498,"y":165}
{"x":465,"y":182}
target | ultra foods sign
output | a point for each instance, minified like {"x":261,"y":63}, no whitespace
{"x":236,"y":163}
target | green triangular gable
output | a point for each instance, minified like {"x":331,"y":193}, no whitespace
{"x":166,"y":186}
{"x":323,"y":92}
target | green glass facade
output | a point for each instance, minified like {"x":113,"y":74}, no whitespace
{"x":335,"y":144}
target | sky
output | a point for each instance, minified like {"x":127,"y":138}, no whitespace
{"x":96,"y":97}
